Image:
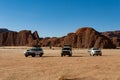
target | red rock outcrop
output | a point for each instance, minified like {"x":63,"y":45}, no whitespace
{"x":51,"y":42}
{"x":22,"y":38}
{"x":116,"y":41}
{"x":114,"y":36}
{"x":71,"y":39}
{"x":83,"y":38}
{"x":88,"y":37}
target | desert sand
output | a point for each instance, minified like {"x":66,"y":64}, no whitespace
{"x":15,"y":66}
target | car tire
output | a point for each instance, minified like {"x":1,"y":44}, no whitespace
{"x":100,"y":54}
{"x":61,"y":55}
{"x":26,"y":55}
{"x":33,"y":55}
{"x":70,"y":55}
{"x":41,"y":54}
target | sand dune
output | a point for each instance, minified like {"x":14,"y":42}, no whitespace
{"x":14,"y":66}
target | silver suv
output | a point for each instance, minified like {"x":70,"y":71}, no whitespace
{"x":95,"y":51}
{"x":34,"y":51}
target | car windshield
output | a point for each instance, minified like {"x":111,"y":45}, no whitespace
{"x":66,"y":49}
{"x":95,"y":48}
{"x":36,"y":49}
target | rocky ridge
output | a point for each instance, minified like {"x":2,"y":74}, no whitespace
{"x":85,"y":37}
{"x":22,"y":38}
{"x":114,"y":36}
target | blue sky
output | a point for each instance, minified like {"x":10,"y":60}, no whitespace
{"x":56,"y":18}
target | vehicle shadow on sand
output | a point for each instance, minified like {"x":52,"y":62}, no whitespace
{"x":64,"y":56}
{"x":74,"y":56}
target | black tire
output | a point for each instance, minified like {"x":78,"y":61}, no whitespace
{"x":41,"y":54}
{"x":100,"y":54}
{"x":61,"y":55}
{"x":70,"y":55}
{"x":33,"y":55}
{"x":26,"y":55}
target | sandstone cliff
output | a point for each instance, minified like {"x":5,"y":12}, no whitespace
{"x":114,"y":36}
{"x":83,"y":38}
{"x":22,"y":38}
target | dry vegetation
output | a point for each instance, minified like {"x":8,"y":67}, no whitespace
{"x":14,"y":66}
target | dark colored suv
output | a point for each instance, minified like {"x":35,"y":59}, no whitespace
{"x":66,"y":50}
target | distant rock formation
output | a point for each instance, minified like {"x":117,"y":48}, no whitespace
{"x":22,"y":38}
{"x":88,"y":37}
{"x":83,"y":38}
{"x":114,"y":36}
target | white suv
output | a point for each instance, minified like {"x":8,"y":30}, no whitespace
{"x":34,"y":51}
{"x":95,"y":51}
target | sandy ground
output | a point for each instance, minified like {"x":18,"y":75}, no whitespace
{"x":15,"y":66}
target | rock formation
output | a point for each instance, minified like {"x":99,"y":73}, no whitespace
{"x":88,"y":37}
{"x":114,"y":36}
{"x":22,"y":38}
{"x":83,"y":38}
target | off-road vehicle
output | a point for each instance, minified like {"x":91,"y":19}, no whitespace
{"x":66,"y":50}
{"x":95,"y":51}
{"x":34,"y":51}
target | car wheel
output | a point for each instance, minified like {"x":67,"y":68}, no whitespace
{"x":70,"y":55}
{"x":61,"y":55}
{"x":26,"y":55}
{"x":33,"y":55}
{"x":100,"y":54}
{"x":41,"y":54}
